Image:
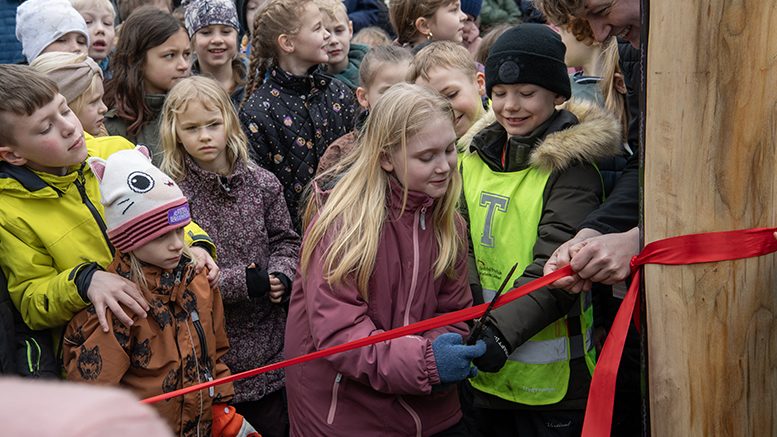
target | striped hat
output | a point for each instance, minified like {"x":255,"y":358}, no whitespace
{"x":141,"y":203}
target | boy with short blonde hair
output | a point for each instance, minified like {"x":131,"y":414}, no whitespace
{"x":344,"y":57}
{"x":448,"y":68}
{"x":100,"y":17}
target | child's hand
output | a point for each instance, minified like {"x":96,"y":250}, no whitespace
{"x":203,"y":259}
{"x":109,"y":290}
{"x":276,"y":289}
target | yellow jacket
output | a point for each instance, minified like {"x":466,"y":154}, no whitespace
{"x":51,"y":228}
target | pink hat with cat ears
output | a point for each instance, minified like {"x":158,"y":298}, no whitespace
{"x":141,"y":202}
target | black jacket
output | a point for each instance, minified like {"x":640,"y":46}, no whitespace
{"x":290,"y":121}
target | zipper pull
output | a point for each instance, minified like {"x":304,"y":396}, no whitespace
{"x":423,"y":219}
{"x":209,"y":377}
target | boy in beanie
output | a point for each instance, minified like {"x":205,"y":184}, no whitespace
{"x":182,"y":341}
{"x":529,"y":179}
{"x":50,"y":26}
{"x":213,"y":27}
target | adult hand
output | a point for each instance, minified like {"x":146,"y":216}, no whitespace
{"x":109,"y":291}
{"x":276,"y":289}
{"x":561,"y":258}
{"x":204,"y":260}
{"x":606,"y":259}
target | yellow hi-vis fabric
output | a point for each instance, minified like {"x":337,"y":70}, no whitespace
{"x":504,"y":214}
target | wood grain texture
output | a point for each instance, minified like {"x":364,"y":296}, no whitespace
{"x":710,"y":165}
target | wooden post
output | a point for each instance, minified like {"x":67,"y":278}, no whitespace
{"x":711,"y":165}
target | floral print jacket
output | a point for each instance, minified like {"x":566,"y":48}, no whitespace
{"x":290,"y":121}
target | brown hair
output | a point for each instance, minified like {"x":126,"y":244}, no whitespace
{"x":559,"y":12}
{"x":404,"y":13}
{"x":147,"y":28}
{"x":445,"y":54}
{"x":276,"y":18}
{"x":379,"y":56}
{"x":488,"y":40}
{"x":127,"y":7}
{"x":22,"y":92}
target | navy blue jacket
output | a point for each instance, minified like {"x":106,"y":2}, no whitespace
{"x":366,"y":13}
{"x":10,"y":47}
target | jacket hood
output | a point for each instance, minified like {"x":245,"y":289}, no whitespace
{"x":581,"y":131}
{"x":597,"y":136}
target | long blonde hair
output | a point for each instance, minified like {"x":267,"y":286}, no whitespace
{"x":275,"y":18}
{"x":612,"y":80}
{"x":352,"y":211}
{"x":210,"y":94}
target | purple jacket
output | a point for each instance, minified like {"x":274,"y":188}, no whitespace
{"x":247,"y":219}
{"x":384,"y":389}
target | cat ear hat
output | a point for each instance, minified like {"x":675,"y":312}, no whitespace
{"x":141,"y":202}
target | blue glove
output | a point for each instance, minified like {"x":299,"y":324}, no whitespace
{"x":454,"y":358}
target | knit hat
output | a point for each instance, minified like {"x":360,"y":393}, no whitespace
{"x":471,"y":7}
{"x":528,"y":53}
{"x":141,"y":203}
{"x":72,"y":79}
{"x":41,"y":22}
{"x":203,"y":13}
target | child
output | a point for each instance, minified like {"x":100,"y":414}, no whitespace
{"x":207,"y":154}
{"x":152,"y":55}
{"x":529,"y":180}
{"x":51,"y":222}
{"x":471,"y":36}
{"x":80,"y":80}
{"x":449,"y":69}
{"x":127,"y":7}
{"x":183,"y":341}
{"x":418,"y":21}
{"x":246,"y":12}
{"x":381,"y":68}
{"x":213,"y":28}
{"x":344,"y":57}
{"x":99,"y":16}
{"x":292,"y":110}
{"x":50,"y":26}
{"x":385,"y":250}
{"x":372,"y":36}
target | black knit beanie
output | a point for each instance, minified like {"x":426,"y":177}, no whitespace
{"x":528,"y":53}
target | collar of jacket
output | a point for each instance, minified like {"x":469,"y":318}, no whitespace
{"x":313,"y":82}
{"x":33,"y":184}
{"x":217,"y":181}
{"x":415,"y":200}
{"x":164,"y":286}
{"x":155,"y":102}
{"x":580,"y":132}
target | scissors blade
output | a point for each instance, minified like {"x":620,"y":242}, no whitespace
{"x":478,"y":329}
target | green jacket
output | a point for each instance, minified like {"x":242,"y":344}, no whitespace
{"x":52,"y":234}
{"x":496,"y":12}
{"x":350,"y":76}
{"x":148,"y":135}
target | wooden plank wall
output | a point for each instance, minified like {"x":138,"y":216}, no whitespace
{"x":710,"y":165}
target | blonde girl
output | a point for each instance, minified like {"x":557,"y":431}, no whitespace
{"x":242,"y":207}
{"x":385,"y":250}
{"x":292,"y":110}
{"x":418,"y":21}
{"x":80,"y":80}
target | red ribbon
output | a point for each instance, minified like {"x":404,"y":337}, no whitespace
{"x":422,"y":326}
{"x":684,"y":250}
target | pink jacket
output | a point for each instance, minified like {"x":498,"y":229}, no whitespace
{"x":384,"y":389}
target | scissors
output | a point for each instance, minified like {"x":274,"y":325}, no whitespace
{"x":480,"y":324}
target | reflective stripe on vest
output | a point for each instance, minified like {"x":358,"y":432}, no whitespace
{"x":505,"y":209}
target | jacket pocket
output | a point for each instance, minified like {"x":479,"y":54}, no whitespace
{"x":330,"y":418}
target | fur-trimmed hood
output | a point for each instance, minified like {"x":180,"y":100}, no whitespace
{"x":581,"y":131}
